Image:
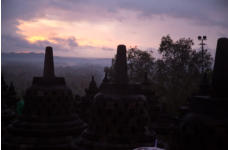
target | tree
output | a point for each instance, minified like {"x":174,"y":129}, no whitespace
{"x":179,"y":70}
{"x":138,"y":62}
{"x":176,"y":76}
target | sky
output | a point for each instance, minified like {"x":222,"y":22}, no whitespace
{"x":94,"y":28}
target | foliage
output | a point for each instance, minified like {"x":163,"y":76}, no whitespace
{"x":178,"y":72}
{"x":176,"y":76}
{"x":139,"y":62}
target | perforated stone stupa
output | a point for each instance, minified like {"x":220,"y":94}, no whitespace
{"x":118,"y":113}
{"x":48,"y":121}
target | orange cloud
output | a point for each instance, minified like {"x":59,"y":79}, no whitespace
{"x":87,"y":34}
{"x":33,"y":39}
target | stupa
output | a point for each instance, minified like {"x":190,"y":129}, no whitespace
{"x":48,"y":121}
{"x":86,"y":100}
{"x":119,"y":115}
{"x":206,"y":124}
{"x":92,"y":90}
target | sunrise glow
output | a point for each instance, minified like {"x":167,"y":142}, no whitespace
{"x":89,"y":29}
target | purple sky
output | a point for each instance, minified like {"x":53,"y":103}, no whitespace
{"x":94,"y":28}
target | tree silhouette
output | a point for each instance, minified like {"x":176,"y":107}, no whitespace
{"x":179,"y":70}
{"x":176,"y":76}
{"x":139,"y":62}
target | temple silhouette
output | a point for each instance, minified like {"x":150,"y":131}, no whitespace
{"x":48,"y":120}
{"x":118,"y":114}
{"x":205,"y":124}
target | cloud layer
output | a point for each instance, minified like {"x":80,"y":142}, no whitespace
{"x":93,"y":28}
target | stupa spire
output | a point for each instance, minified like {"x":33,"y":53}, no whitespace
{"x":48,"y":63}
{"x":220,"y":72}
{"x":121,"y":65}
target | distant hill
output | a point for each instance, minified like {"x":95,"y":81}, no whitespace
{"x":20,"y":68}
{"x":59,"y":61}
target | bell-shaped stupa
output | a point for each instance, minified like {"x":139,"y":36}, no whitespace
{"x":119,"y":116}
{"x":48,"y":120}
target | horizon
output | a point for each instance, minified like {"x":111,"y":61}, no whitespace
{"x":43,"y":53}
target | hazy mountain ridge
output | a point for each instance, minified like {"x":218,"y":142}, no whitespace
{"x":21,"y":68}
{"x":62,"y":61}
